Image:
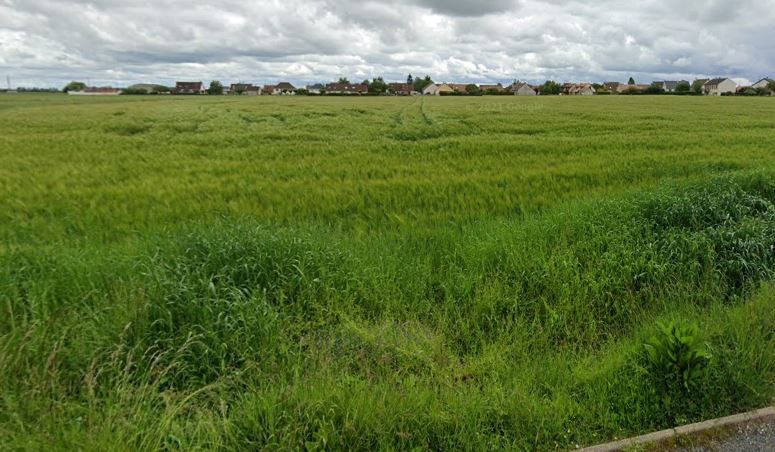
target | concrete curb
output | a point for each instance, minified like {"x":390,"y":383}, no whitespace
{"x":692,"y":429}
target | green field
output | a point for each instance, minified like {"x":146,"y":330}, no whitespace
{"x":433,"y":273}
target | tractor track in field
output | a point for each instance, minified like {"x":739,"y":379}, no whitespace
{"x":413,"y":123}
{"x":398,"y":118}
{"x":428,"y":120}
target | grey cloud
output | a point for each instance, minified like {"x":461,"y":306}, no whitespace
{"x":466,"y":7}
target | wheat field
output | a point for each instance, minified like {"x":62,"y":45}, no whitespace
{"x":238,"y":273}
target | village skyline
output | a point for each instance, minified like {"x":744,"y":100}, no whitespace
{"x":12,"y":82}
{"x":426,"y":86}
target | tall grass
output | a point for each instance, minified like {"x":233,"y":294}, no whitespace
{"x":442,"y":313}
{"x":501,"y":333}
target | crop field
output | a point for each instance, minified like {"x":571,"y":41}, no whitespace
{"x":469,"y":273}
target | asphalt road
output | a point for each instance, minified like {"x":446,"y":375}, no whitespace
{"x":757,"y":436}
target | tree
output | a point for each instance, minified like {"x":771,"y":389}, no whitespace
{"x":473,"y":90}
{"x":632,"y":90}
{"x":75,"y":86}
{"x":410,"y":80}
{"x":631,"y":81}
{"x":344,"y":80}
{"x":771,"y":86}
{"x":550,"y":88}
{"x":378,"y":86}
{"x":697,"y":87}
{"x":601,"y":89}
{"x":421,"y":83}
{"x":655,"y":88}
{"x":493,"y":92}
{"x":216,"y":88}
{"x":683,"y":87}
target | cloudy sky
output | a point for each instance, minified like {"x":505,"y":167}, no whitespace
{"x":119,"y":42}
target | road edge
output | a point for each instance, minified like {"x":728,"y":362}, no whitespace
{"x":691,"y":429}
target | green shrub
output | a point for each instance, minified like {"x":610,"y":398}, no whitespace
{"x":676,"y":357}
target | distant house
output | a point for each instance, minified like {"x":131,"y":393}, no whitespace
{"x":246,"y":89}
{"x":400,"y":89}
{"x":584,"y":89}
{"x":284,"y":89}
{"x":579,"y":89}
{"x":522,"y":89}
{"x":459,"y":87}
{"x":444,"y":89}
{"x":189,"y":88}
{"x":238,"y":88}
{"x":437,"y":90}
{"x":492,"y":88}
{"x":669,"y":85}
{"x":763,"y":83}
{"x":348,"y":89}
{"x":317,"y":88}
{"x":719,"y":86}
{"x":102,"y":91}
{"x":267,"y":90}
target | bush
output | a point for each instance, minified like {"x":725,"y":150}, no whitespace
{"x":655,"y":89}
{"x":676,"y":357}
{"x":683,"y":88}
{"x":134,"y":92}
{"x":632,"y":90}
{"x":473,"y":90}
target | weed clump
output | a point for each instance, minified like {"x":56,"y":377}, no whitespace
{"x":676,"y":357}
